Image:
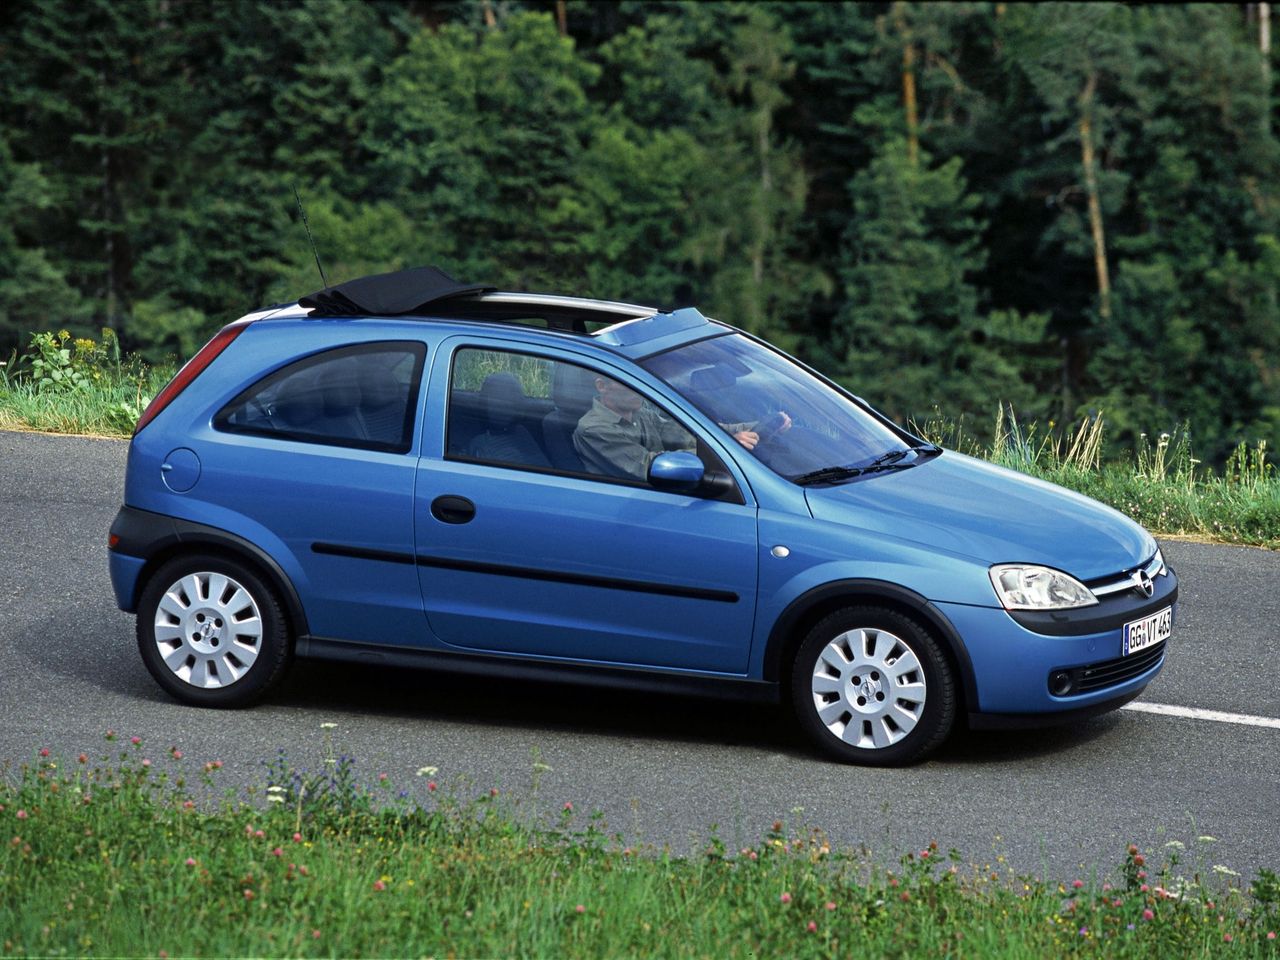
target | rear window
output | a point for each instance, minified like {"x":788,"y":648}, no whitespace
{"x":360,"y":396}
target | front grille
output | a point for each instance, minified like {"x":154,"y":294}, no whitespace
{"x":1109,"y":673}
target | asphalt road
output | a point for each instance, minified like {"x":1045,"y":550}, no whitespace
{"x":663,"y":770}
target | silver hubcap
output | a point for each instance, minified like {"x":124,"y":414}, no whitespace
{"x":208,"y":630}
{"x":868,"y":688}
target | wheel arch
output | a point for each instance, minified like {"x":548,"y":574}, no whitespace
{"x":161,"y":539}
{"x":809,"y":608}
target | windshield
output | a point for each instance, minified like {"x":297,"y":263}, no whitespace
{"x":801,"y":424}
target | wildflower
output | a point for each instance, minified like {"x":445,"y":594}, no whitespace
{"x":328,"y":726}
{"x":493,"y":791}
{"x":275,"y":798}
{"x":904,"y":896}
{"x":1142,"y":874}
{"x":258,"y":834}
{"x":146,"y":762}
{"x":44,"y":751}
{"x":1271,"y":934}
{"x":275,"y":789}
{"x":568,"y":807}
{"x":1139,"y":860}
{"x":277,"y":852}
{"x":1148,"y":914}
{"x":22,"y":814}
{"x":297,"y":838}
{"x":1144,"y":888}
{"x":753,"y":855}
{"x":1084,"y":931}
{"x":175,"y":753}
{"x":540,"y":767}
{"x":1226,"y":938}
{"x":1225,"y":871}
{"x":191,"y":861}
{"x":1077,"y":884}
{"x":580,"y":908}
{"x":248,"y":894}
{"x":381,"y":777}
{"x":785,"y":898}
{"x":428,"y":771}
{"x":831,"y":904}
{"x":431,"y":786}
{"x":136,"y":741}
{"x":1132,"y":849}
{"x":1207,"y":839}
{"x":813,"y":927}
{"x":315,"y":934}
{"x":83,"y":758}
{"x":109,"y":735}
{"x":379,"y":885}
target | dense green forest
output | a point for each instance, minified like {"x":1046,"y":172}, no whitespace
{"x":1072,"y":208}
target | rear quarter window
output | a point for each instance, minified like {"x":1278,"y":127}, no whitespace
{"x":360,"y":396}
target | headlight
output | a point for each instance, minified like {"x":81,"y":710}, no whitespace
{"x":1023,"y":586}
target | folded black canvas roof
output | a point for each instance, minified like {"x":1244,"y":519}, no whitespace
{"x":388,"y":294}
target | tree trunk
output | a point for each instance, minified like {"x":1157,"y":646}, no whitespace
{"x":1091,"y":192}
{"x":909,"y":85}
{"x":490,"y":20}
{"x":562,"y":18}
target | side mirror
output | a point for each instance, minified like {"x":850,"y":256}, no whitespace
{"x":677,"y":471}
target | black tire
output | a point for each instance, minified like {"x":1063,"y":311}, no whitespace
{"x":886,"y":695}
{"x":221,"y":639}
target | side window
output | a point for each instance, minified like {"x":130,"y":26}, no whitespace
{"x":531,"y":412}
{"x":360,"y":396}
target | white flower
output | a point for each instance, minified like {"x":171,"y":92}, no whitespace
{"x":275,"y":798}
{"x":427,"y":771}
{"x":1219,"y":868}
{"x":1207,"y":839}
{"x":540,"y":767}
{"x":274,"y":789}
{"x":328,"y":726}
{"x":1176,"y":845}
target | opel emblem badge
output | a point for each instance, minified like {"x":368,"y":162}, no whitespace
{"x":1144,"y":584}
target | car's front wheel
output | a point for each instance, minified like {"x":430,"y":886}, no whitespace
{"x":870,"y":685}
{"x":212,"y":632}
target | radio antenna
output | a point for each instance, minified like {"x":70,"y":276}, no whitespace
{"x":312,"y":239}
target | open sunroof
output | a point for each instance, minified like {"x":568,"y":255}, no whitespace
{"x":388,"y":294}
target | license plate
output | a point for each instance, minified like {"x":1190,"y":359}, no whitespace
{"x":1147,"y":632}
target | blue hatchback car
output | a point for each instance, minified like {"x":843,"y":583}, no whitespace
{"x":407,"y":470}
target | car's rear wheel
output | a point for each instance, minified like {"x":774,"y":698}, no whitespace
{"x":212,"y":632}
{"x":870,"y":685}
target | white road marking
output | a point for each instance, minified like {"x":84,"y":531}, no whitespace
{"x":1195,"y":713}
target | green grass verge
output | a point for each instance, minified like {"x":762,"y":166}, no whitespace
{"x":114,"y":857}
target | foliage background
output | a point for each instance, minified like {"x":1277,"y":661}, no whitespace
{"x":1069,"y":207}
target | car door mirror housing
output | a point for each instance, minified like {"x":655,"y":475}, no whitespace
{"x":676,"y":470}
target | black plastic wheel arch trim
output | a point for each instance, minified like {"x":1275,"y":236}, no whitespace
{"x":870,"y":592}
{"x":154,"y":537}
{"x":639,"y":679}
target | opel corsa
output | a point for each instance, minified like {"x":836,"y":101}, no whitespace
{"x":418,"y":472}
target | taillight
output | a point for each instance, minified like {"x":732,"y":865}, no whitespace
{"x":190,"y":370}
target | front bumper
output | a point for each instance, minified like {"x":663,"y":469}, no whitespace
{"x":1015,"y":668}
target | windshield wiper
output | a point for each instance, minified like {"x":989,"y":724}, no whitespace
{"x":827,"y":475}
{"x":886,"y":461}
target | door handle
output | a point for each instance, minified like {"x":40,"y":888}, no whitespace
{"x":453,"y":509}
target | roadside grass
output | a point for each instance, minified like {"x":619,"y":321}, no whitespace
{"x":128,"y":855}
{"x":81,"y":386}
